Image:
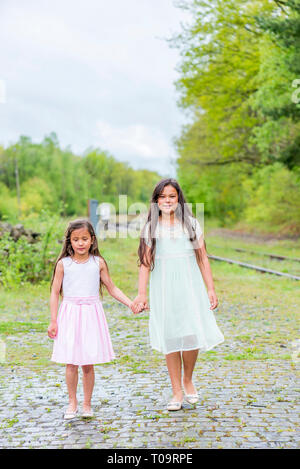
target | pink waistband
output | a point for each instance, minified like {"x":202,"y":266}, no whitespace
{"x":81,"y":300}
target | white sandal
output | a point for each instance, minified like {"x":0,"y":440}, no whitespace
{"x":191,"y":398}
{"x":70,"y":414}
{"x":174,"y":405}
{"x":87,"y":413}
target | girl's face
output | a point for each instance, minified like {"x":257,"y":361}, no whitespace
{"x":81,"y":241}
{"x":168,"y":200}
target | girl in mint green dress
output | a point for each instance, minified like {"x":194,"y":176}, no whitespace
{"x":182,"y":296}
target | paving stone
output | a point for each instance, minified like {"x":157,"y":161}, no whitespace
{"x":238,"y":405}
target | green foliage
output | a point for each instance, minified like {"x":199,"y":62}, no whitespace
{"x":239,"y":61}
{"x":220,"y":60}
{"x":273,"y":199}
{"x":61,"y":182}
{"x":36,"y":195}
{"x":284,"y":29}
{"x":220,"y":191}
{"x":277,"y":135}
{"x":22,"y":262}
{"x":8,"y":204}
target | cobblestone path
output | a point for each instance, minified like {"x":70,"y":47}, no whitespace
{"x":244,"y":403}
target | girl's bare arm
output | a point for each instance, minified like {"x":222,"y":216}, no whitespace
{"x":206,"y":272}
{"x":112,"y":289}
{"x":144,"y":273}
{"x":54,"y":298}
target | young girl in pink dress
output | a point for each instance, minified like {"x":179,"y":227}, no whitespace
{"x":80,"y":332}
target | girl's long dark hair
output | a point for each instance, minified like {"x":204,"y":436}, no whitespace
{"x":182,"y":212}
{"x":67,"y":249}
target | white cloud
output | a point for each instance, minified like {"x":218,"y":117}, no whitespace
{"x":133,"y":139}
{"x":97,"y":73}
{"x":2,"y":92}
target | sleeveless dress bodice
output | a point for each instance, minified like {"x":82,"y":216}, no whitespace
{"x":81,"y":279}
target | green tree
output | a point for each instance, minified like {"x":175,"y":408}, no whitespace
{"x":219,"y":63}
{"x":278,"y":134}
{"x":60,"y":181}
{"x":235,"y":85}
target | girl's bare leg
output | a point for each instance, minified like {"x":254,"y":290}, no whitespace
{"x":189,"y":359}
{"x":72,"y":381}
{"x":174,"y":368}
{"x":88,"y":381}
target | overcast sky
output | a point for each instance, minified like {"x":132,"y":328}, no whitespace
{"x":99,"y":73}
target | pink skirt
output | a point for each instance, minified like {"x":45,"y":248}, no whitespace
{"x":82,"y":336}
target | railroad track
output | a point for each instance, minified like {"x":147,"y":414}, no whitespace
{"x":246,"y":265}
{"x":272,"y":256}
{"x":255,"y":267}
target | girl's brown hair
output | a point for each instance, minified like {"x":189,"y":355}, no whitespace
{"x":67,"y":249}
{"x":182,"y":212}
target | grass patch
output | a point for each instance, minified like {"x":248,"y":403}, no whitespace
{"x":31,"y":355}
{"x":11,"y":328}
{"x":257,"y":310}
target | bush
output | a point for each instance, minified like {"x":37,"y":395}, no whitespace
{"x":8,"y":204}
{"x":36,"y":195}
{"x":273,"y":199}
{"x":24,"y":262}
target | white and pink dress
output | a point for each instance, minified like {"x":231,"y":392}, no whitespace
{"x":83,"y":336}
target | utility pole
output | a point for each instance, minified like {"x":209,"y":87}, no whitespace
{"x":17,"y":182}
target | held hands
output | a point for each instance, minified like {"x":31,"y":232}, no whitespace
{"x":139,"y":304}
{"x":52,"y":329}
{"x":213,"y":299}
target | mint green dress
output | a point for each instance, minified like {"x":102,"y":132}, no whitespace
{"x":180,"y":317}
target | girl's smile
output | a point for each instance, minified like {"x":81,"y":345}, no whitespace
{"x":168,"y":199}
